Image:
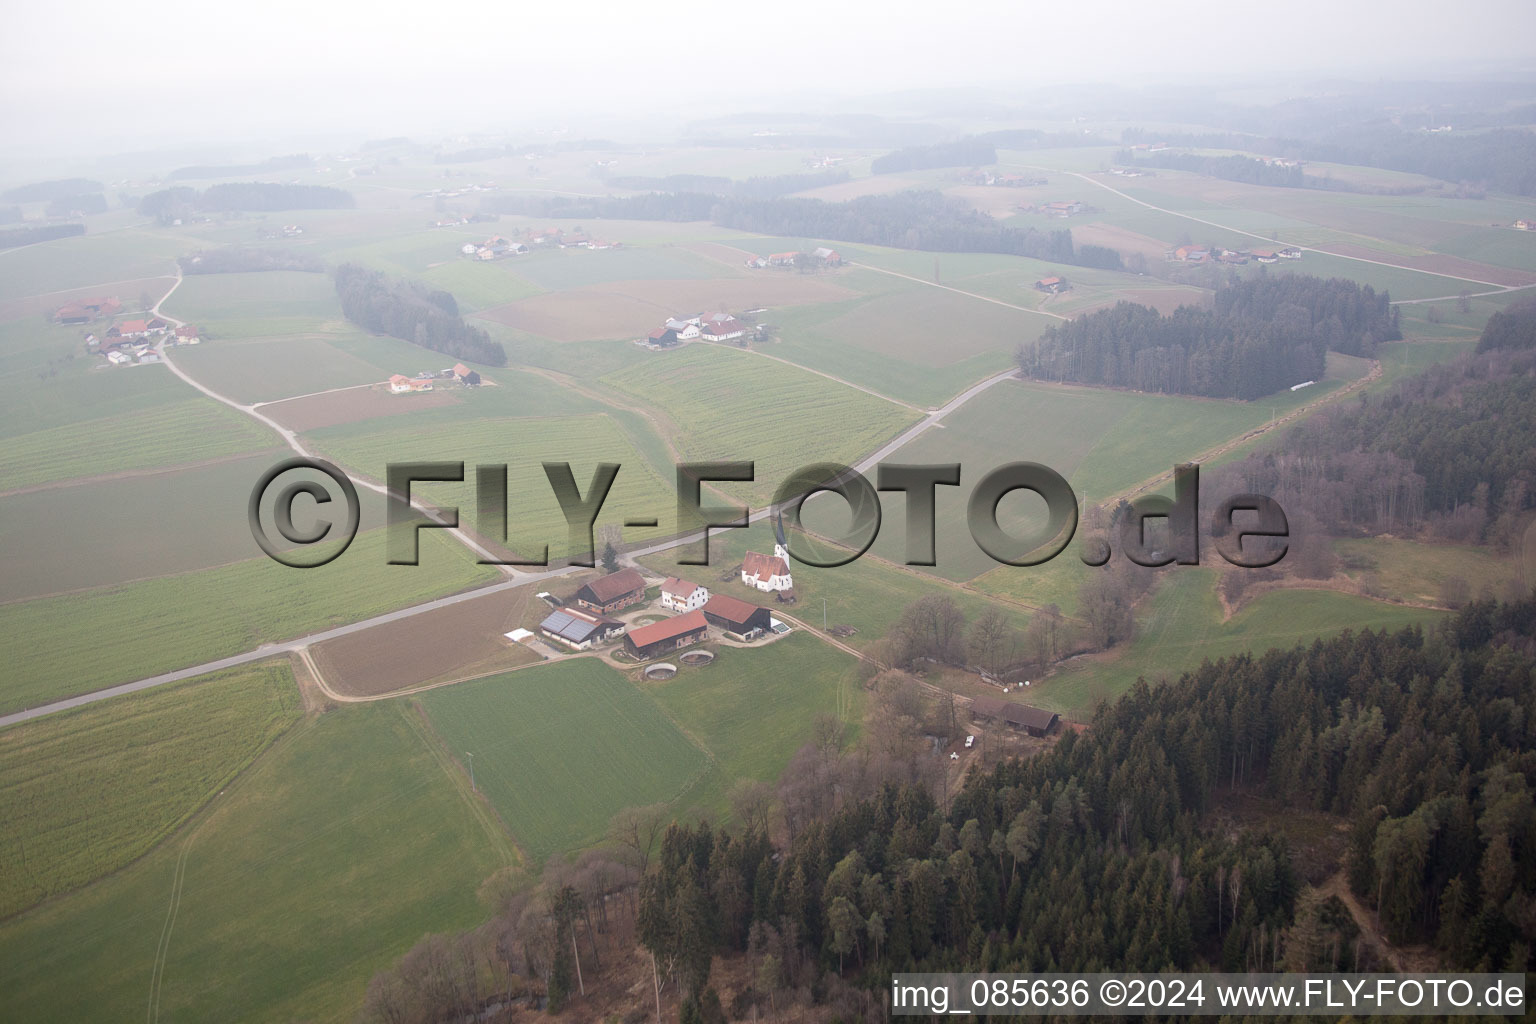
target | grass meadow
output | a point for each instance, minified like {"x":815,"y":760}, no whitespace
{"x":724,"y":404}
{"x":345,"y":843}
{"x":1181,"y":625}
{"x":85,"y":792}
{"x":79,"y":642}
{"x":188,"y":431}
{"x":533,"y":513}
{"x":559,"y":749}
{"x":752,"y":709}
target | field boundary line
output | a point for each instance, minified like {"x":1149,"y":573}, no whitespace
{"x":823,"y":373}
{"x":317,"y":394}
{"x":481,"y":809}
{"x":1304,"y":248}
{"x":961,"y":291}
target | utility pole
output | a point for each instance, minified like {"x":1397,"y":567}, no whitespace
{"x":471,"y":771}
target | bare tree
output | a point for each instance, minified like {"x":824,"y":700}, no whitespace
{"x":636,"y":829}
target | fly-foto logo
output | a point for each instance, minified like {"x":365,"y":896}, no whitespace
{"x":1177,"y":530}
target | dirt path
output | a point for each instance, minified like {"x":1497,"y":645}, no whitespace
{"x":961,"y":291}
{"x":1403,"y":959}
{"x":291,"y":439}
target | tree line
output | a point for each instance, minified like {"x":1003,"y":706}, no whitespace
{"x":1500,"y":158}
{"x":1264,"y":334}
{"x":925,"y":220}
{"x":294,"y":162}
{"x":182,"y":201}
{"x":1451,"y":450}
{"x":411,"y":311}
{"x":761,"y":187}
{"x":12,"y":237}
{"x":966,"y":152}
{"x":1232,"y":167}
{"x":46,"y":191}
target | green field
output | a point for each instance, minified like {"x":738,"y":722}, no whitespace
{"x":88,"y":260}
{"x":904,"y":339}
{"x":1410,"y":571}
{"x":533,"y":513}
{"x":559,"y":269}
{"x":75,"y":643}
{"x":84,"y":792}
{"x":79,"y":391}
{"x":1102,"y":441}
{"x":1181,"y":625}
{"x":339,"y":849}
{"x":725,"y":404}
{"x":267,"y":369}
{"x":188,"y":431}
{"x":219,"y":303}
{"x":477,"y":285}
{"x":754,"y":708}
{"x":109,"y":530}
{"x":559,"y":749}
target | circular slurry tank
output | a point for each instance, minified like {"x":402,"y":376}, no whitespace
{"x":664,"y":670}
{"x":697,"y":658}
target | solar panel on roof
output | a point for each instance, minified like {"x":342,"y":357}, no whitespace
{"x":569,"y":626}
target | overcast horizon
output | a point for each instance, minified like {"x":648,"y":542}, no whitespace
{"x":352,"y":70}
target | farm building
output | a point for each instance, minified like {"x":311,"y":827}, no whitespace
{"x":770,"y":573}
{"x":783,"y":259}
{"x":663,"y":337}
{"x":612,"y":592}
{"x":187,"y":334}
{"x":1063,"y":208}
{"x":1292,"y":253}
{"x":645,"y":642}
{"x":1525,"y":225}
{"x":686,"y":330}
{"x":580,"y":630}
{"x":738,"y":618}
{"x":679,"y":595}
{"x":828,"y":257}
{"x":1052,"y":285}
{"x":85,"y":310}
{"x":722,"y":327}
{"x":1035,"y":721}
{"x":400,"y":384}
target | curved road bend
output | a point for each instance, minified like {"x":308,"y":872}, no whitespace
{"x":292,"y":441}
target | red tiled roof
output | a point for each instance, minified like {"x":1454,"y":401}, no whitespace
{"x":733,"y":609}
{"x":763,"y":566}
{"x":615,"y":585}
{"x":186,"y":331}
{"x":133,"y":326}
{"x":668,"y":629}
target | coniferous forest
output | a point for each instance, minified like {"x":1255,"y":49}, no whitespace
{"x":1263,"y":335}
{"x":413,"y":312}
{"x":1101,"y":854}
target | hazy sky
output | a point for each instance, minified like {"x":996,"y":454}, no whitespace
{"x":87,"y":73}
